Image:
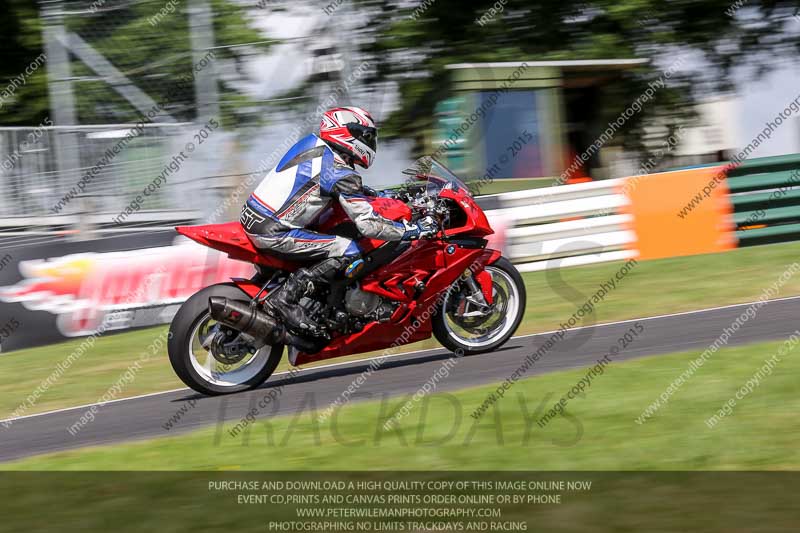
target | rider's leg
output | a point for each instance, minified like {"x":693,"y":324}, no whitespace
{"x":333,"y":253}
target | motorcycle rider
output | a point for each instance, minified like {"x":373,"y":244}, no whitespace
{"x":316,"y":171}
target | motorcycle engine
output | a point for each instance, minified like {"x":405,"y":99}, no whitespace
{"x":366,"y":304}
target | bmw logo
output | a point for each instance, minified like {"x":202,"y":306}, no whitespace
{"x":451,"y":249}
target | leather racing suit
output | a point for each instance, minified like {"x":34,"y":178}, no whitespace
{"x":295,"y":193}
{"x":291,"y":198}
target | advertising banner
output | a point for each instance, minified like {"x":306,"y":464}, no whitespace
{"x":57,"y":291}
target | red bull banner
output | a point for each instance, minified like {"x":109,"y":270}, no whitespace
{"x":60,"y":296}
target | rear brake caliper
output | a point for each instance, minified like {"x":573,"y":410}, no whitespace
{"x":229,"y":346}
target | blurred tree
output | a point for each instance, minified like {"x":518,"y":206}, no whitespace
{"x":21,"y":43}
{"x":147,"y":41}
{"x":412,"y":41}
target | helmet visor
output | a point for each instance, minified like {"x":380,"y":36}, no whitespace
{"x":365,"y":134}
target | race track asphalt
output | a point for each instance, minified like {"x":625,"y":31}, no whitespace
{"x":144,"y":417}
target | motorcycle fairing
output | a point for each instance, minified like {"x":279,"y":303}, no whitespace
{"x":415,"y":279}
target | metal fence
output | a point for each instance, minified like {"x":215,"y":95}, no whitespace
{"x":110,"y":62}
{"x":115,"y":164}
{"x":129,"y":85}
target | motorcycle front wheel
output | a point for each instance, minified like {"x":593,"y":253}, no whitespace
{"x":460,"y":327}
{"x":192,"y":356}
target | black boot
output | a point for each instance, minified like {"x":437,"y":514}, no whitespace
{"x":286,"y":300}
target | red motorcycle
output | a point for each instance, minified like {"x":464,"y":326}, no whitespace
{"x":452,"y":286}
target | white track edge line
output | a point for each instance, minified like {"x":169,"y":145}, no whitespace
{"x":343,"y":363}
{"x":102,"y":404}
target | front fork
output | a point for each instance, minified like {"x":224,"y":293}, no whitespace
{"x":482,"y":281}
{"x":478,"y":292}
{"x":478,"y":298}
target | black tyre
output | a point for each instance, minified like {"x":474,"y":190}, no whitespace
{"x":196,"y":365}
{"x":487,"y":333}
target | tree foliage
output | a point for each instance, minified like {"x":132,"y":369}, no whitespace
{"x":415,"y":40}
{"x":148,"y":41}
{"x":21,"y":43}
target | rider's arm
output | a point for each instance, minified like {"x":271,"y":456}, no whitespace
{"x":350,"y":193}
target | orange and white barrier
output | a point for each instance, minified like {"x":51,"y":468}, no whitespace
{"x":616,"y":219}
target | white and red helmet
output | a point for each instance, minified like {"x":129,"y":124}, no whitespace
{"x":351,"y":132}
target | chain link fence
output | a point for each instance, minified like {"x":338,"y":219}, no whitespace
{"x":115,"y":164}
{"x":126,"y":92}
{"x":126,"y":56}
{"x":111,"y":62}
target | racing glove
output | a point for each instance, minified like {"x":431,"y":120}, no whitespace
{"x":369,"y":191}
{"x":423,"y":228}
{"x":386,"y":193}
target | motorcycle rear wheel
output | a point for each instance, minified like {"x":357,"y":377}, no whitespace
{"x":460,"y":335}
{"x":190,"y":353}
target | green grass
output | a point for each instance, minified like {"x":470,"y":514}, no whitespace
{"x":653,"y":287}
{"x":600,"y":433}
